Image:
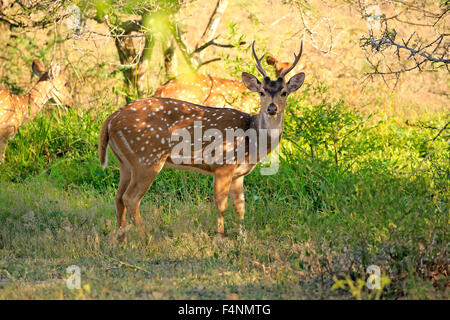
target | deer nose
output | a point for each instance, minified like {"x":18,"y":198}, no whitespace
{"x":272,"y":109}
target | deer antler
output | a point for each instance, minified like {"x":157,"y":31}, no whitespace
{"x":258,"y":61}
{"x":297,"y":58}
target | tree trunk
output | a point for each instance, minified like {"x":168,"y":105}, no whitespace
{"x":212,"y":25}
{"x":135,"y":64}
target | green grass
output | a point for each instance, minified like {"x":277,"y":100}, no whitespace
{"x":315,"y":224}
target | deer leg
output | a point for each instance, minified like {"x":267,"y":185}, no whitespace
{"x":132,"y":198}
{"x":222,"y":181}
{"x":141,"y":180}
{"x":125,"y":177}
{"x":237,"y":191}
{"x":3,"y":145}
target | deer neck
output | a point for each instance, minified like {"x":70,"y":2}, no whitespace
{"x":271,"y":126}
{"x":35,"y":99}
{"x":264,"y":121}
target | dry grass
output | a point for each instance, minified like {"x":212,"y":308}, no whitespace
{"x":179,"y":261}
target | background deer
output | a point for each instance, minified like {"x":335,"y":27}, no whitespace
{"x":279,"y":66}
{"x":140,"y":136}
{"x":17,"y":110}
{"x":209,"y":91}
{"x":214,"y":91}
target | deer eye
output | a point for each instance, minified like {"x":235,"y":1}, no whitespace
{"x":284,"y":94}
{"x":261,"y":94}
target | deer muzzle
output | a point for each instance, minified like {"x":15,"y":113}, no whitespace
{"x":272,"y":109}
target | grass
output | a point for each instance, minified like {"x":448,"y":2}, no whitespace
{"x":311,"y":230}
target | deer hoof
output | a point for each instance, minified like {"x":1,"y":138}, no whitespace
{"x":220,"y":237}
{"x":122,"y":238}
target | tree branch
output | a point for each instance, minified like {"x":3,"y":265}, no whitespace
{"x":213,"y":24}
{"x":378,"y":43}
{"x":213,"y":43}
{"x":201,"y":64}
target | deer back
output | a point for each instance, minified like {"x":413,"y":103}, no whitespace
{"x":210,"y":91}
{"x":142,"y":132}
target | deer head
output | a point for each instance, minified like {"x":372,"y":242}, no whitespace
{"x":51,"y":84}
{"x":273,"y":93}
{"x":16,"y":110}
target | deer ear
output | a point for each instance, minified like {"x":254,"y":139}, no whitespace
{"x":250,"y":81}
{"x":296,"y":82}
{"x":55,"y":70}
{"x":38,"y":68}
{"x":271,"y":60}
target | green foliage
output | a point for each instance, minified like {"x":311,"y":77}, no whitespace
{"x":329,"y":129}
{"x":69,"y":134}
{"x":12,"y":86}
{"x":356,"y":288}
{"x":113,"y":10}
{"x":236,"y":64}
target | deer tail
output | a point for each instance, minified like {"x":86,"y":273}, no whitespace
{"x":103,"y":144}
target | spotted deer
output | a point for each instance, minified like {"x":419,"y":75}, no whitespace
{"x":17,"y":110}
{"x":142,"y":137}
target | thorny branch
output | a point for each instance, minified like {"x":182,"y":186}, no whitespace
{"x":421,"y":53}
{"x":378,"y":43}
{"x":327,"y":43}
{"x":422,"y":125}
